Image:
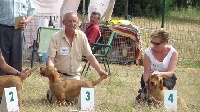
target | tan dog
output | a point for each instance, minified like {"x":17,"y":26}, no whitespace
{"x":62,"y":88}
{"x":156,"y":91}
{"x":7,"y":81}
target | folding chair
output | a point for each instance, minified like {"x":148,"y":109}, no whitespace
{"x":41,"y":43}
{"x":100,"y":52}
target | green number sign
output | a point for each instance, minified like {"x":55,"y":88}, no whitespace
{"x":11,"y":98}
{"x":88,"y":95}
{"x":170,"y":98}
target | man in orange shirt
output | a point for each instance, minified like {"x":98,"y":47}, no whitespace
{"x":92,"y":31}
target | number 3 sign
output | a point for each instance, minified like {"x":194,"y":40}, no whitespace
{"x":86,"y":99}
{"x":9,"y":101}
{"x":170,"y":99}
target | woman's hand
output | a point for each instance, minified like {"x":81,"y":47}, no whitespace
{"x":157,"y":73}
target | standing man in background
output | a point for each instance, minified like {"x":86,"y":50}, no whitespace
{"x":92,"y":31}
{"x":11,"y":39}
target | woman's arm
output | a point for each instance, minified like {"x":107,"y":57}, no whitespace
{"x":147,"y":68}
{"x":172,"y":66}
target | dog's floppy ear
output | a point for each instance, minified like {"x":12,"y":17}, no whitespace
{"x":53,"y":73}
{"x":161,"y":83}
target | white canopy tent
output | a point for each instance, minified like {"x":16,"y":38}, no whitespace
{"x":59,"y":7}
{"x":105,"y":7}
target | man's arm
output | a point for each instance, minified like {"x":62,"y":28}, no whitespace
{"x":30,"y":13}
{"x":6,"y":68}
{"x":50,"y":61}
{"x":95,"y":64}
{"x":23,"y":24}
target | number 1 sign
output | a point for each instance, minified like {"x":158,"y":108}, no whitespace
{"x":170,"y":99}
{"x":9,"y":101}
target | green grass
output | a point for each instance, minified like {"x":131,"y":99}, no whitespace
{"x":184,"y":14}
{"x":115,"y":94}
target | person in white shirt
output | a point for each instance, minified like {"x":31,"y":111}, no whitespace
{"x":159,"y":59}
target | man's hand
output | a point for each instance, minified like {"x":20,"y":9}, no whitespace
{"x":103,"y":73}
{"x":24,"y":72}
{"x":22,"y":25}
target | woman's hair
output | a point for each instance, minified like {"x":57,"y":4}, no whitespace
{"x":160,"y":33}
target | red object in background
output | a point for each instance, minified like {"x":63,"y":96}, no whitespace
{"x":131,"y":31}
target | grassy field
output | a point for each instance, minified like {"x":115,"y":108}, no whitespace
{"x":115,"y":94}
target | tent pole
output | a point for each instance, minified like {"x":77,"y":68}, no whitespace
{"x":83,"y":16}
{"x":163,"y":13}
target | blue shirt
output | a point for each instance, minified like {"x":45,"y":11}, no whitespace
{"x":10,"y":9}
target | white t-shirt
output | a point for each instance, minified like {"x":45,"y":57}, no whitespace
{"x":155,"y":64}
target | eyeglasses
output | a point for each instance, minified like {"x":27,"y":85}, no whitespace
{"x":154,"y":43}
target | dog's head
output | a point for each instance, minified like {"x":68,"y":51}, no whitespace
{"x":50,"y":72}
{"x":155,"y":82}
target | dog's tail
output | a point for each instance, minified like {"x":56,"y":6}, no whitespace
{"x":29,"y":71}
{"x":95,"y":82}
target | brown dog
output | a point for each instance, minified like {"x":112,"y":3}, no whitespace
{"x":156,"y":91}
{"x":7,"y":81}
{"x":62,"y":88}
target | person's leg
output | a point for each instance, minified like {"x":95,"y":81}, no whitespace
{"x":6,"y":36}
{"x":142,"y":84}
{"x":16,"y":50}
{"x":170,"y":82}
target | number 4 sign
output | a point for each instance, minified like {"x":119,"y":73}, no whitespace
{"x":170,"y":99}
{"x":9,"y":102}
{"x":86,"y":99}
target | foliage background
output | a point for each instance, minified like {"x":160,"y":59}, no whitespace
{"x":146,"y":8}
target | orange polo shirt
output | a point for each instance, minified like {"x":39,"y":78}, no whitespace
{"x":68,"y":58}
{"x":93,"y":33}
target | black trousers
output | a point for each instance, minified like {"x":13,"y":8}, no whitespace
{"x":11,"y":41}
{"x":167,"y":82}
